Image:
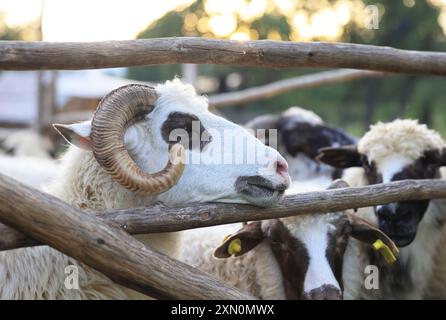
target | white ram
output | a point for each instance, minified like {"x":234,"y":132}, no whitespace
{"x":119,"y":161}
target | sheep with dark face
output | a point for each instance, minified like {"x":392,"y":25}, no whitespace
{"x":300,"y":135}
{"x":402,"y":149}
{"x":297,"y":257}
{"x":136,"y":152}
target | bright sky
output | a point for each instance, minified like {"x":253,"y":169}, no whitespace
{"x":96,"y":20}
{"x":88,"y":20}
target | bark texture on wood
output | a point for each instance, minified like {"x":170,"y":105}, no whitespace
{"x":22,"y":55}
{"x":107,"y":249}
{"x":166,"y":219}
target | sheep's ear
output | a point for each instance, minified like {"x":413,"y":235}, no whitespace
{"x":368,"y":233}
{"x":241,"y":242}
{"x":341,"y":157}
{"x":77,"y":134}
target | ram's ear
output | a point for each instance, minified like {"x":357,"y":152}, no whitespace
{"x":341,"y":157}
{"x":239,"y":243}
{"x":363,"y":231}
{"x":77,"y":134}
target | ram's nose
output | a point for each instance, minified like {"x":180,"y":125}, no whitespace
{"x":280,"y":173}
{"x":282,"y":170}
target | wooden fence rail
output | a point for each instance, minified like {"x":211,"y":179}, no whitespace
{"x":22,"y":55}
{"x":297,"y":83}
{"x":108,"y":249}
{"x":160,"y":218}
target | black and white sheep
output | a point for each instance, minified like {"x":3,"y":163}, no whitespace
{"x":300,"y":135}
{"x":402,"y":149}
{"x":297,"y":257}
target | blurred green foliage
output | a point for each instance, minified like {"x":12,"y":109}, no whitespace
{"x":28,"y":32}
{"x":7,"y":33}
{"x":352,"y":105}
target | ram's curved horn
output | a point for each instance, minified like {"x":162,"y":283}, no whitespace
{"x":116,"y":111}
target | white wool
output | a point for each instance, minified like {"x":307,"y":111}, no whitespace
{"x":26,"y":143}
{"x":33,"y":171}
{"x":437,"y":284}
{"x":267,"y":121}
{"x":303,"y":115}
{"x":256,"y":272}
{"x":315,"y":184}
{"x":405,"y":137}
{"x":175,"y":92}
{"x":303,"y":221}
{"x":355,"y":177}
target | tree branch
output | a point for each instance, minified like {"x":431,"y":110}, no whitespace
{"x":109,"y":250}
{"x":21,"y":55}
{"x":166,"y":219}
{"x":298,"y":83}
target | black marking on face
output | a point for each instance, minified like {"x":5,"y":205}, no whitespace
{"x":257,"y":186}
{"x":185,"y":121}
{"x":425,"y":167}
{"x":400,"y":220}
{"x":307,"y":138}
{"x":292,"y":257}
{"x":371,"y":171}
{"x":337,"y":243}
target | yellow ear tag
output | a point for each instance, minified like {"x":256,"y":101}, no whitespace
{"x":385,"y":251}
{"x":235,"y":246}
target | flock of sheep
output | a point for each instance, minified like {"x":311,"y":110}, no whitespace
{"x":317,"y":256}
